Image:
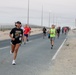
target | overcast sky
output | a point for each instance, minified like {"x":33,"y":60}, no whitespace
{"x":62,"y":7}
{"x":53,"y":5}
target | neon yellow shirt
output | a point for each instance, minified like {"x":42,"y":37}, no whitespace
{"x":52,"y":32}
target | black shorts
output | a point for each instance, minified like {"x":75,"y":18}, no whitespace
{"x":16,"y":42}
{"x":44,"y":32}
{"x":26,"y":35}
{"x":52,"y":38}
{"x":58,"y":32}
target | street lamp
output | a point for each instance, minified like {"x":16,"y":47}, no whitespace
{"x":53,"y":18}
{"x":42,"y":16}
{"x":28,"y":13}
{"x":56,"y":21}
{"x":49,"y":17}
{"x":75,"y":22}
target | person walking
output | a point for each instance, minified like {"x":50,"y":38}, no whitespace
{"x":52,"y":35}
{"x":16,"y":35}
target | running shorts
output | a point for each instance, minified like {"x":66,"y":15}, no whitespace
{"x":26,"y":35}
{"x":15,"y":42}
{"x":52,"y":38}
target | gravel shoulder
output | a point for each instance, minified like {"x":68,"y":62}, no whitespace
{"x":65,"y":62}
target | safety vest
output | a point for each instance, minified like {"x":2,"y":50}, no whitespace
{"x":52,"y":32}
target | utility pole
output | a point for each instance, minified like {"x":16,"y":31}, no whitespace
{"x":53,"y":18}
{"x":28,"y":13}
{"x":49,"y":19}
{"x":75,"y":22}
{"x":56,"y":21}
{"x":42,"y":16}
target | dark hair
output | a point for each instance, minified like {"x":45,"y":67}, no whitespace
{"x":18,"y":22}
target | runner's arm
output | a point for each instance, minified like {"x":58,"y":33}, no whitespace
{"x":11,"y":34}
{"x":11,"y":37}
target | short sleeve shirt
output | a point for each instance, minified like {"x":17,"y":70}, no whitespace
{"x":26,"y":30}
{"x":17,"y":34}
{"x":53,"y":32}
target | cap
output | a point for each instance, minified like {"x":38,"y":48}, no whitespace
{"x":18,"y":22}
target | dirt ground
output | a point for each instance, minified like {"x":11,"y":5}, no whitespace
{"x":5,"y":34}
{"x":65,"y":62}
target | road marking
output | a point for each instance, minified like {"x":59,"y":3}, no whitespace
{"x":4,"y":47}
{"x":9,"y":46}
{"x":54,"y":57}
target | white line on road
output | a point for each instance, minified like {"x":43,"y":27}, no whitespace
{"x":9,"y":46}
{"x":54,"y":57}
{"x":4,"y":47}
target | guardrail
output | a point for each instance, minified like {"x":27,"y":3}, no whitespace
{"x":5,"y":27}
{"x":9,"y":27}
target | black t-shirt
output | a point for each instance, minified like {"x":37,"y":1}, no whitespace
{"x":17,"y":34}
{"x":44,"y":29}
{"x":58,"y":30}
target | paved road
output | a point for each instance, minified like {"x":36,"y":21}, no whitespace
{"x":33,"y":58}
{"x":7,"y":42}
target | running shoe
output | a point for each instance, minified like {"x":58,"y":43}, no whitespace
{"x":13,"y":62}
{"x":51,"y":47}
{"x":10,"y":52}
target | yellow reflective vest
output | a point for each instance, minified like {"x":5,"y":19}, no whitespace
{"x":52,"y":32}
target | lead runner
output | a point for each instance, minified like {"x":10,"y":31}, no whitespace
{"x":16,"y":35}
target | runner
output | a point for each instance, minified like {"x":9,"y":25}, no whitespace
{"x":29,"y":33}
{"x":16,"y":35}
{"x":62,"y":30}
{"x":44,"y":32}
{"x":52,"y":35}
{"x":65,"y":30}
{"x":26,"y":33}
{"x":58,"y":31}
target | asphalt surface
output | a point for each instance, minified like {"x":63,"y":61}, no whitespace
{"x":7,"y":42}
{"x":33,"y":58}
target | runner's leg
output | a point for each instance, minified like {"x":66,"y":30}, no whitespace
{"x":16,"y":50}
{"x":15,"y":53}
{"x":52,"y":42}
{"x":43,"y":35}
{"x":12,"y":48}
{"x":25,"y":39}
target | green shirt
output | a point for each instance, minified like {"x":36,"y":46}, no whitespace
{"x":52,"y":32}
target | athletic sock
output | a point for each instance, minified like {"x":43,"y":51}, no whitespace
{"x":11,"y":52}
{"x":13,"y":62}
{"x":52,"y":45}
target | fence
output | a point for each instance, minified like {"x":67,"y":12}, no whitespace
{"x":9,"y":27}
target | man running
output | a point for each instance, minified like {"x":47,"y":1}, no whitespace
{"x":65,"y":30}
{"x":29,"y":33}
{"x":58,"y":31}
{"x":52,"y":35}
{"x":62,"y":30}
{"x":26,"y":33}
{"x":44,"y":32}
{"x":16,"y":35}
